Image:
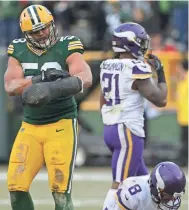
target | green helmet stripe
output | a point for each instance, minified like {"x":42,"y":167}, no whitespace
{"x":32,"y":11}
{"x":36,"y":13}
{"x":29,"y":12}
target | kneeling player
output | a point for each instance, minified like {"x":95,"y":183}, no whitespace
{"x":161,"y":190}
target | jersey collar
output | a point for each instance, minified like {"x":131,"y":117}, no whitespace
{"x":36,"y":51}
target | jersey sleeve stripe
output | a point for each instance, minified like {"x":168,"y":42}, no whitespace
{"x":73,"y":45}
{"x":119,"y":201}
{"x":10,"y":52}
{"x":11,"y":46}
{"x":141,"y":76}
{"x":129,"y":152}
{"x":11,"y":49}
{"x":74,"y":42}
{"x":75,"y":48}
{"x":143,"y":70}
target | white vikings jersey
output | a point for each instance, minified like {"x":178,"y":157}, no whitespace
{"x":123,"y":104}
{"x":134,"y":194}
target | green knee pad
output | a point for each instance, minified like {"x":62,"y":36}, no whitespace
{"x":21,"y":201}
{"x":63,"y":201}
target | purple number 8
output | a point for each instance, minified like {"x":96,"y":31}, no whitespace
{"x":134,"y":189}
{"x":109,"y":87}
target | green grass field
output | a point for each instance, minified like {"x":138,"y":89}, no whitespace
{"x":89,"y":189}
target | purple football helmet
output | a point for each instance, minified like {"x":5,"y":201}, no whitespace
{"x":130,"y":37}
{"x":167,"y":185}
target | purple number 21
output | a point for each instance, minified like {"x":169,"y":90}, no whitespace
{"x":111,"y":78}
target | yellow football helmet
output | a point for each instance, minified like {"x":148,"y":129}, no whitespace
{"x":35,"y":18}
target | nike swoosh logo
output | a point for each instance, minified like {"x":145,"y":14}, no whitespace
{"x":58,"y":130}
{"x":143,"y":66}
{"x":126,"y":198}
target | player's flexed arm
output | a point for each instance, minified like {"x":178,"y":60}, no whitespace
{"x":155,"y":94}
{"x":79,"y":68}
{"x":80,"y":77}
{"x":14,"y":80}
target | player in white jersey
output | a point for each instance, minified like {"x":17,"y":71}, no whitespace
{"x":125,"y":83}
{"x":162,"y":189}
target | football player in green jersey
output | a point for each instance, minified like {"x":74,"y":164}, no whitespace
{"x":47,"y":71}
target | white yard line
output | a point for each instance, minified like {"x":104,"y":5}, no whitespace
{"x":78,"y":176}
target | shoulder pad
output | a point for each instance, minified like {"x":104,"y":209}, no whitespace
{"x":73,"y":44}
{"x":127,"y":195}
{"x":140,"y":69}
{"x":15,"y":46}
{"x":101,"y":65}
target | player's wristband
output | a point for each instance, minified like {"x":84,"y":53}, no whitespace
{"x":161,"y":76}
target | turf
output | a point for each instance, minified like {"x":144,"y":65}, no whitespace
{"x":89,"y":190}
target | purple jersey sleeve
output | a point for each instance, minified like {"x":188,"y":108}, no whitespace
{"x":141,"y":71}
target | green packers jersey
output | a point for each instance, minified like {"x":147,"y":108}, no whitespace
{"x":32,"y":64}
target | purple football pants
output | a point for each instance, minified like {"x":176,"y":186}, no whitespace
{"x":127,"y":152}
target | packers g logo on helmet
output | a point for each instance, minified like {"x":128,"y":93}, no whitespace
{"x":35,"y":18}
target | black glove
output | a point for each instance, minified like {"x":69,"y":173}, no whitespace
{"x":157,"y":65}
{"x":155,"y":62}
{"x":50,"y":75}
